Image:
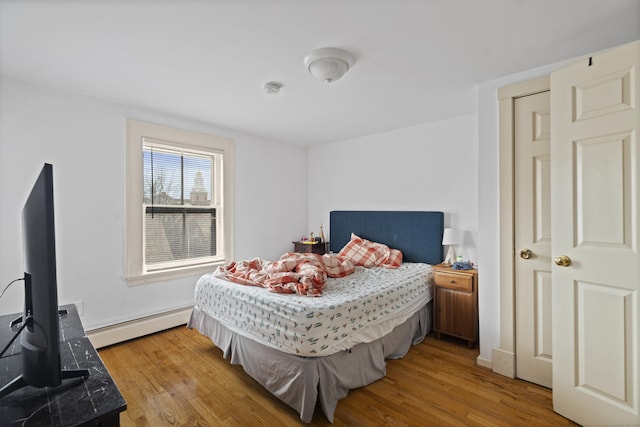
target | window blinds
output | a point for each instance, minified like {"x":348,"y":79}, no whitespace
{"x":179,"y":206}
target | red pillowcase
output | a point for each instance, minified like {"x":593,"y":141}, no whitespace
{"x":370,"y":254}
{"x":395,"y":259}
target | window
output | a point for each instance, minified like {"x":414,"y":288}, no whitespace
{"x":178,"y":202}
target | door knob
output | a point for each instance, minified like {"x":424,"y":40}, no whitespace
{"x":563,"y":261}
{"x":526,"y":253}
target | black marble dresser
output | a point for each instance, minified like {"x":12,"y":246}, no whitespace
{"x":91,"y":401}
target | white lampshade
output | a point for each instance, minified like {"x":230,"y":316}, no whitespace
{"x":450,"y":236}
{"x":328,"y":63}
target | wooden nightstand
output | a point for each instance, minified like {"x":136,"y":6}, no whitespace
{"x":455,"y":303}
{"x":316,"y":248}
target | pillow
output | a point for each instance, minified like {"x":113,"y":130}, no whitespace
{"x":365,"y":253}
{"x":395,"y":259}
{"x":336,"y":266}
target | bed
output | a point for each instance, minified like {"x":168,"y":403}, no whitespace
{"x":312,"y":350}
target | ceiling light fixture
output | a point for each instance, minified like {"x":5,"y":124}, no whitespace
{"x":328,"y":63}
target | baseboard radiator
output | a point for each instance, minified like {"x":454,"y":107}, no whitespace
{"x":113,"y":334}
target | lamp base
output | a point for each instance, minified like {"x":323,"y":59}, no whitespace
{"x":451,"y":256}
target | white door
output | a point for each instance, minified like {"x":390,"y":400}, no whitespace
{"x":532,"y":169}
{"x":595,"y":219}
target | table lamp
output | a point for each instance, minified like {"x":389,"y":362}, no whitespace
{"x":450,"y":238}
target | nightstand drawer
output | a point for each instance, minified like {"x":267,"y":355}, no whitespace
{"x":462,"y":282}
{"x":317,"y":248}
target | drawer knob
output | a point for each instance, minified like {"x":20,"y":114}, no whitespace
{"x":453,"y":281}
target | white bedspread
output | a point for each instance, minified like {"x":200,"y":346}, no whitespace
{"x":361,"y":307}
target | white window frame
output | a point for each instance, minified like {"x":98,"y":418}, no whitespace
{"x":136,"y":133}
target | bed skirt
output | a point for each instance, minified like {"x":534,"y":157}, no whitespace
{"x":301,"y":382}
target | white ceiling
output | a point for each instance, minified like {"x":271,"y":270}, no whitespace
{"x":416,"y":61}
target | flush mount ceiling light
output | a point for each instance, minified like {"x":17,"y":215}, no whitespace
{"x":328,"y":63}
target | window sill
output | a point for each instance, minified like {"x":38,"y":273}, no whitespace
{"x":175,"y":273}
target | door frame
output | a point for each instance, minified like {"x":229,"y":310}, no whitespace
{"x":504,"y":356}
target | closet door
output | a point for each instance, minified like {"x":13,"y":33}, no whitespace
{"x":595,"y":187}
{"x":532,"y":233}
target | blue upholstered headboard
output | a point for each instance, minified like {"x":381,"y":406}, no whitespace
{"x":417,"y":234}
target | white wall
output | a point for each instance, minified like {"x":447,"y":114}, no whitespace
{"x":84,"y":139}
{"x":427,"y":167}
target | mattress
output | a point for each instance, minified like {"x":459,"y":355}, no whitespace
{"x":359,"y":308}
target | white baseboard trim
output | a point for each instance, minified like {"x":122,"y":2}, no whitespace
{"x":485,"y":363}
{"x":504,"y":362}
{"x":102,"y":337}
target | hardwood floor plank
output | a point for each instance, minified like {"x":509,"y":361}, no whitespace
{"x":179,"y":378}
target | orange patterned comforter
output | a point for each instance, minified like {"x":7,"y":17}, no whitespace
{"x":302,"y":274}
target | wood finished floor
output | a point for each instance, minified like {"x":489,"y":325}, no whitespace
{"x":178,"y":378}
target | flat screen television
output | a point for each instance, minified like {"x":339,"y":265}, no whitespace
{"x":40,"y":339}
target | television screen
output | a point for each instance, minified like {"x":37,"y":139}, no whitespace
{"x":40,"y":340}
